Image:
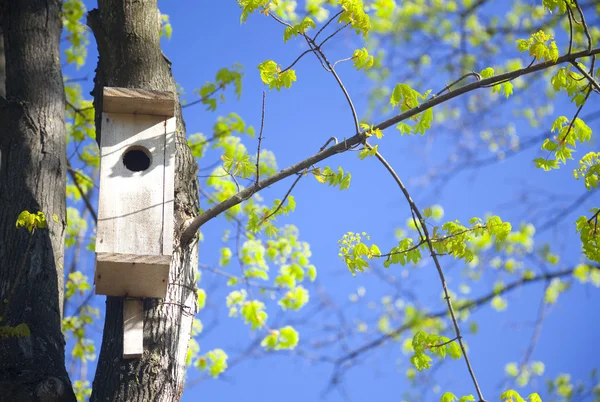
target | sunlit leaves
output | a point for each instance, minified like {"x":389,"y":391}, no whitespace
{"x":589,"y":233}
{"x":368,"y":151}
{"x":79,"y":115}
{"x":284,"y":338}
{"x":511,"y":396}
{"x":225,"y":77}
{"x":362,"y":59}
{"x":272,"y":75}
{"x":505,"y":88}
{"x":166,"y":29}
{"x":562,"y":5}
{"x":354,"y":15}
{"x":540,"y":45}
{"x":440,"y":346}
{"x":573,"y":83}
{"x":450,"y":397}
{"x":249,"y":6}
{"x":569,"y":132}
{"x":562,"y":386}
{"x":82,"y":390}
{"x":201,"y":299}
{"x":407,"y":98}
{"x":73,"y":13}
{"x":332,"y":178}
{"x":198,"y":144}
{"x":554,"y":289}
{"x":586,"y":273}
{"x":294,"y":299}
{"x":355,"y":253}
{"x":297,"y":29}
{"x":214,"y":362}
{"x":589,"y":170}
{"x":370,"y":130}
{"x":77,"y":283}
{"x":76,"y":326}
{"x":31,"y":221}
{"x":522,"y":374}
{"x":254,"y":313}
{"x":262,"y":219}
{"x":76,"y":226}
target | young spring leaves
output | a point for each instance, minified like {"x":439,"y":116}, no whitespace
{"x":362,"y":59}
{"x":225,"y":77}
{"x":298,"y":29}
{"x":215,"y":362}
{"x":506,"y":87}
{"x":538,"y":47}
{"x":440,"y":346}
{"x":589,"y":170}
{"x":272,"y":75}
{"x":568,"y":133}
{"x":407,"y":98}
{"x":284,"y":338}
{"x":354,"y":15}
{"x":451,"y":239}
{"x":31,"y":221}
{"x":589,"y":232}
{"x":328,"y":176}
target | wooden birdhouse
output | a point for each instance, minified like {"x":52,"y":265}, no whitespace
{"x":134,"y":237}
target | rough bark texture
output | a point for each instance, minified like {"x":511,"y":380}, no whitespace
{"x":32,"y":177}
{"x":127,"y":34}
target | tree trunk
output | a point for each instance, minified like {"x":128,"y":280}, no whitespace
{"x":127,"y":34}
{"x":32,"y":177}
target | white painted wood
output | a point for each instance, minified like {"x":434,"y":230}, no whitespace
{"x":135,"y":209}
{"x":138,"y":101}
{"x":133,"y":328}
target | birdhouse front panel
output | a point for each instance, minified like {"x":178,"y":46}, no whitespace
{"x":134,"y":236}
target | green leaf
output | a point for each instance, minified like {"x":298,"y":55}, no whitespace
{"x":362,"y":59}
{"x":448,"y":397}
{"x":272,"y":75}
{"x":201,"y":300}
{"x":511,"y":396}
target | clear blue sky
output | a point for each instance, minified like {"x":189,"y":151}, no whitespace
{"x":208,"y":36}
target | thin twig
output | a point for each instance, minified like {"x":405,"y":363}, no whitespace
{"x":260,"y":136}
{"x":438,"y":266}
{"x":326,"y":24}
{"x":591,"y":79}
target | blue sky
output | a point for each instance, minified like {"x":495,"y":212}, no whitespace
{"x":208,"y":36}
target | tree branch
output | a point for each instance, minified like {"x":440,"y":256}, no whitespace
{"x":190,"y":227}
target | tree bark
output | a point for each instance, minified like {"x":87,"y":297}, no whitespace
{"x":32,"y":177}
{"x":127,"y":35}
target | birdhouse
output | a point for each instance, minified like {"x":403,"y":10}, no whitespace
{"x":134,"y":237}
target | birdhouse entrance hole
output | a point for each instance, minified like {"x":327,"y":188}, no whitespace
{"x":136,"y":159}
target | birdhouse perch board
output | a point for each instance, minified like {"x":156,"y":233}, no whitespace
{"x":134,"y":238}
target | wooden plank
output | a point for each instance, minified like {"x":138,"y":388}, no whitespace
{"x":134,"y":258}
{"x":169,"y":186}
{"x":131,"y":279}
{"x":133,"y":328}
{"x":131,"y":204}
{"x":138,"y":101}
